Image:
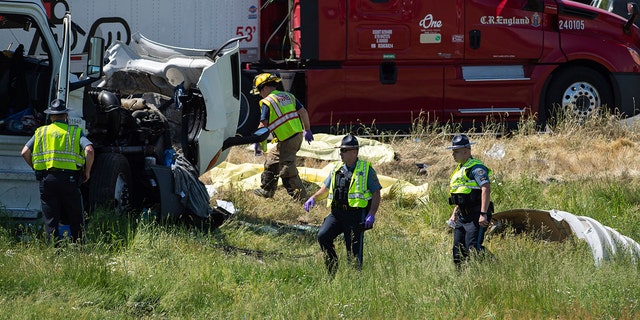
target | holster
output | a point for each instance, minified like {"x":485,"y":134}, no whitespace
{"x":465,"y":200}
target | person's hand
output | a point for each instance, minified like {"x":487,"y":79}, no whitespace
{"x":308,"y":136}
{"x":368,"y":221}
{"x":309,"y":204}
{"x":257,"y":149}
{"x":451,"y":223}
{"x":483,"y":221}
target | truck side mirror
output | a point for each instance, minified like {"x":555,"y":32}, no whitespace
{"x":632,"y":10}
{"x":96,"y":58}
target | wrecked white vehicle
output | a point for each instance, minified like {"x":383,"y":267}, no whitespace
{"x":159,"y":117}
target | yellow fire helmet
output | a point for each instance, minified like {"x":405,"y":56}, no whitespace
{"x":260,"y":80}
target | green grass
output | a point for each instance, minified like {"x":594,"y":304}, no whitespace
{"x":132,"y":268}
{"x":147,"y":270}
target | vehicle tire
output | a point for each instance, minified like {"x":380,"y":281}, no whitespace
{"x":249,"y":108}
{"x":577,"y":93}
{"x":110,"y":183}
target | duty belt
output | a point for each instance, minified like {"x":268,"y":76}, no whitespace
{"x":344,"y":207}
{"x":54,"y":170}
{"x":463,"y":199}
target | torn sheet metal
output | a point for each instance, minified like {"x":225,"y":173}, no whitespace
{"x":557,"y":225}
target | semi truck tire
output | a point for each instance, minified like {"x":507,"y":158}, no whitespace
{"x":110,"y":184}
{"x":577,"y":93}
{"x":249,"y":109}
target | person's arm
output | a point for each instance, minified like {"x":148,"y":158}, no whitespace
{"x":304,"y":117}
{"x":26,"y":155}
{"x":321,"y":194}
{"x":375,"y":203}
{"x":453,"y":213}
{"x":89,"y":155}
{"x":485,"y":199}
{"x":264,"y":115}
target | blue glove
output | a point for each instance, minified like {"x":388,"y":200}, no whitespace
{"x":257,"y":150}
{"x":309,"y":204}
{"x":368,"y":221}
{"x":308,"y":136}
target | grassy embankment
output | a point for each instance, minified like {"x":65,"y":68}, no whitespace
{"x":133,"y":268}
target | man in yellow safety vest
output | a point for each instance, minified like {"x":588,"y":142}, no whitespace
{"x":62,"y":158}
{"x":470,"y":194}
{"x":353,"y":193}
{"x":288,"y":121}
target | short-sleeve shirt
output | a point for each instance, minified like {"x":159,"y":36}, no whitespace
{"x":264,"y":116}
{"x":480,"y":174}
{"x":84,"y":141}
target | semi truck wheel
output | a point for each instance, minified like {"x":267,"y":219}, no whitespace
{"x":110,"y":183}
{"x":577,"y":93}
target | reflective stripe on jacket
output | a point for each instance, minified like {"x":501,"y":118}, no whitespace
{"x":359,"y":193}
{"x":284,"y":121}
{"x":460,"y":182}
{"x":57,"y":146}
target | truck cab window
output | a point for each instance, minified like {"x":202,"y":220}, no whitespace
{"x":25,"y":75}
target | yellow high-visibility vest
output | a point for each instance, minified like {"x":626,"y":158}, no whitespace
{"x":359,"y":194}
{"x":460,"y":183}
{"x":284,"y":121}
{"x":57,"y":146}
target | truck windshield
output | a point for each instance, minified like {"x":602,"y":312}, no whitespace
{"x":618,"y":7}
{"x":20,"y":29}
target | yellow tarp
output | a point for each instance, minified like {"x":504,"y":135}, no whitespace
{"x":323,"y":147}
{"x":246,"y":176}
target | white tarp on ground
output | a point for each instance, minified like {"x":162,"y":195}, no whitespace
{"x":557,"y":225}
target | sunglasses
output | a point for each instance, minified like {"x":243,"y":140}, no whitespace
{"x":343,"y":150}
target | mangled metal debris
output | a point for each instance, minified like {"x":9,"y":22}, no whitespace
{"x":556,"y":225}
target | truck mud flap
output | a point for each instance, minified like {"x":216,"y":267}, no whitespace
{"x":170,"y":206}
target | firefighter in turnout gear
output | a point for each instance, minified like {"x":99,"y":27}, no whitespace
{"x":62,"y":158}
{"x":470,"y":191}
{"x":353,"y":193}
{"x":288,"y":122}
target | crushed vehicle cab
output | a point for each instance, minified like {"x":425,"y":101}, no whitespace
{"x":158,"y":116}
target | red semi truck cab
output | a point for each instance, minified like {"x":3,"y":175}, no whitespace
{"x":386,"y":62}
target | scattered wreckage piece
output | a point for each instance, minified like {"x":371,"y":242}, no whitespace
{"x":557,"y":225}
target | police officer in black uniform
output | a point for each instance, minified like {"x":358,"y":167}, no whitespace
{"x":354,"y":197}
{"x":470,"y":191}
{"x":62,"y":157}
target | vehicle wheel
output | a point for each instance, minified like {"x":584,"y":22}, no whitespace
{"x":577,"y":93}
{"x":249,"y":108}
{"x":110,"y":183}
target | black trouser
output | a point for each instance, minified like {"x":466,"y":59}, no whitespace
{"x":62,"y":202}
{"x":468,"y":235}
{"x":347,"y":222}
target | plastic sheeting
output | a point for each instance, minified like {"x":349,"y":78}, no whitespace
{"x":228,"y":176}
{"x":324,"y":145}
{"x":246,"y":176}
{"x":557,"y":225}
